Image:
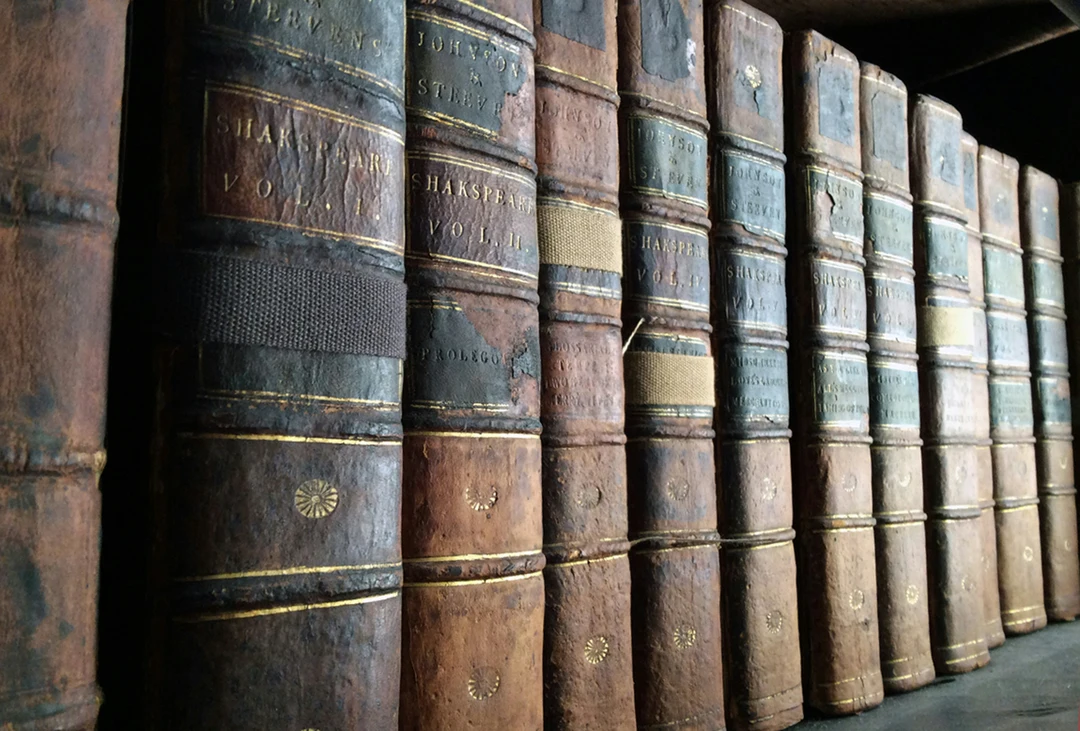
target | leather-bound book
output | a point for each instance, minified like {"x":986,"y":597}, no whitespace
{"x":60,"y":92}
{"x":281,"y":245}
{"x":946,"y":390}
{"x":762,"y":679}
{"x":1045,"y":290}
{"x":833,"y":496}
{"x":472,"y":653}
{"x":896,"y":455}
{"x":1069,"y":197}
{"x":980,"y":397}
{"x":675,"y":563}
{"x":588,"y":669}
{"x":1012,"y":419}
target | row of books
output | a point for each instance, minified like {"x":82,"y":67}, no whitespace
{"x":450,"y":292}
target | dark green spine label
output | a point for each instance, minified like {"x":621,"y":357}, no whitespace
{"x":757,"y":385}
{"x":754,"y":291}
{"x":580,"y":20}
{"x":1047,"y":285}
{"x":1003,"y":274}
{"x":836,"y":102}
{"x":753,"y":194}
{"x":891,"y":301}
{"x":894,"y":396}
{"x":1051,"y":343}
{"x":841,"y":391}
{"x":667,"y":265}
{"x":668,"y":159}
{"x":1006,"y":335}
{"x":1010,"y":404}
{"x":839,"y":297}
{"x":888,"y":228}
{"x":845,"y":200}
{"x":1054,"y":403}
{"x":946,"y":249}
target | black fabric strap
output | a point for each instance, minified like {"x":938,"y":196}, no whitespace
{"x":223,"y":299}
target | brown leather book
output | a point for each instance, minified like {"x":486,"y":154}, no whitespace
{"x":472,"y":653}
{"x":1069,"y":197}
{"x":1012,"y":419}
{"x":833,"y":497}
{"x":675,"y":562}
{"x":1045,"y":289}
{"x":896,"y":455}
{"x":588,"y":667}
{"x":279,"y":453}
{"x":62,"y":81}
{"x":946,"y":390}
{"x":980,"y":394}
{"x":763,"y":681}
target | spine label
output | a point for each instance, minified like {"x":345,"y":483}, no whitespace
{"x":1008,"y":339}
{"x":889,"y":228}
{"x":839,"y":297}
{"x":667,"y":159}
{"x":582,"y":21}
{"x":1010,"y":403}
{"x":894,"y":395}
{"x":946,"y":250}
{"x":1051,"y":343}
{"x":578,"y":364}
{"x":1047,"y":285}
{"x":757,"y":387}
{"x":753,"y":194}
{"x":837,"y":200}
{"x":754,"y":291}
{"x":841,"y":391}
{"x":667,"y":265}
{"x":891,"y":301}
{"x":1054,"y":400}
{"x":665,"y":38}
{"x":1003,"y":275}
{"x":836,"y":110}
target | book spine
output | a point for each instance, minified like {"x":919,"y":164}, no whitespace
{"x":281,"y":244}
{"x":1012,"y":419}
{"x":945,"y":336}
{"x":588,"y":667}
{"x":1045,"y":289}
{"x":763,"y":683}
{"x":896,"y":455}
{"x":472,"y":521}
{"x":59,"y":152}
{"x":675,"y":562}
{"x":980,"y":393}
{"x":827,"y":304}
{"x":1069,"y":197}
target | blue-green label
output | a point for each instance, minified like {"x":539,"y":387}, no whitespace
{"x":836,"y":102}
{"x":666,"y":265}
{"x":757,"y":385}
{"x":889,"y":139}
{"x":1054,"y":403}
{"x":1046,"y":215}
{"x":1047,"y":285}
{"x":894,"y":395}
{"x":1051,"y":342}
{"x":838,"y":200}
{"x":839,"y":297}
{"x":1003,"y":274}
{"x":946,"y":249}
{"x":970,"y":194}
{"x":666,"y":48}
{"x":1007,"y":338}
{"x":891,"y":301}
{"x":841,"y":390}
{"x":578,"y":20}
{"x":668,"y":159}
{"x":1010,"y":403}
{"x":753,"y":194}
{"x":944,"y":143}
{"x":888,"y":228}
{"x":754,"y":290}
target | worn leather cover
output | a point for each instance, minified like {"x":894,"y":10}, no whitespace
{"x":1069,"y":196}
{"x":833,"y":493}
{"x":279,"y":459}
{"x":1045,"y":290}
{"x":980,"y":392}
{"x":763,"y":681}
{"x":472,"y":653}
{"x":1012,"y":419}
{"x":945,"y":336}
{"x":588,"y":666}
{"x":61,"y":88}
{"x":675,"y":563}
{"x":900,"y":533}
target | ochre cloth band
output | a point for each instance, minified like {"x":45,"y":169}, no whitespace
{"x":665,"y":379}
{"x":947,"y":326}
{"x":222,"y":299}
{"x":579,"y":237}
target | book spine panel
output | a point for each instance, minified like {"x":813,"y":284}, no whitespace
{"x":980,"y":358}
{"x":1045,"y":290}
{"x":588,"y":665}
{"x":1012,"y":418}
{"x":472,"y":515}
{"x":279,"y":465}
{"x":668,"y":363}
{"x":945,"y":344}
{"x":59,"y":152}
{"x":827,"y":305}
{"x":763,"y":684}
{"x":899,"y":534}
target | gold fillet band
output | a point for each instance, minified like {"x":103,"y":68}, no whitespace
{"x":669,"y":379}
{"x":579,"y":237}
{"x":287,"y":609}
{"x":945,"y":326}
